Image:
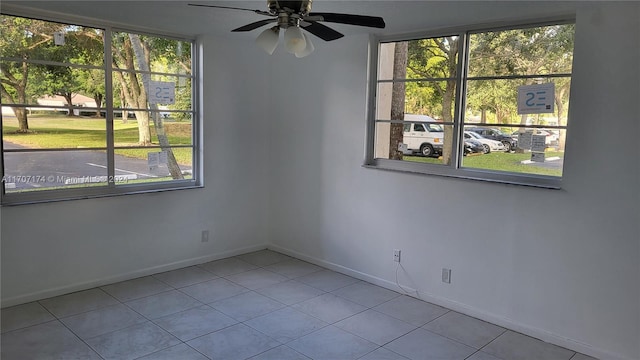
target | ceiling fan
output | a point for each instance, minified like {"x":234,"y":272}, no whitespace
{"x":292,"y":16}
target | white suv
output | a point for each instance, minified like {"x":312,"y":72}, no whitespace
{"x":424,"y":138}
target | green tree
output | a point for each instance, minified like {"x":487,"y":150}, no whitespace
{"x":81,"y":46}
{"x":92,"y":53}
{"x":92,"y":81}
{"x":22,"y":39}
{"x":531,"y":51}
{"x":436,"y":58}
{"x":142,"y":59}
{"x":131,"y":85}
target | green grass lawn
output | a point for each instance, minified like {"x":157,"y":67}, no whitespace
{"x":60,"y":131}
{"x":499,"y":161}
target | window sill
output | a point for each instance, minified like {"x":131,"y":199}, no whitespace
{"x":15,"y":199}
{"x":539,"y":181}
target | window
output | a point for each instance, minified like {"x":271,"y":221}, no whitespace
{"x":94,"y":111}
{"x":465,"y":84}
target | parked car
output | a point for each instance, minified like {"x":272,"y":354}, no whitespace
{"x":510,"y":144}
{"x":425,"y":138}
{"x":487,"y":144}
{"x":473,"y":146}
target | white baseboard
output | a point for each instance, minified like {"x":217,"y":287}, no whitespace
{"x":461,"y":308}
{"x":47,"y":293}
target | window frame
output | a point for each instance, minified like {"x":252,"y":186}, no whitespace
{"x":454,"y":169}
{"x":110,"y":188}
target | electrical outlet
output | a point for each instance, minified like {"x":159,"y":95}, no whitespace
{"x":446,"y":276}
{"x":396,"y":255}
{"x":205,"y":236}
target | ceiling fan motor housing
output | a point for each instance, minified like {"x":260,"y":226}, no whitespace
{"x":302,"y":7}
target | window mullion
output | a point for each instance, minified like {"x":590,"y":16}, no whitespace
{"x":108,"y":78}
{"x":458,"y":128}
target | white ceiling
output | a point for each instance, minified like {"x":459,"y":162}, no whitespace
{"x":176,"y":17}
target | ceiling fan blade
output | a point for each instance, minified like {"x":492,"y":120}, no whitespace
{"x":359,"y":20}
{"x":323,"y":32}
{"x":232,"y":8}
{"x":254,"y":25}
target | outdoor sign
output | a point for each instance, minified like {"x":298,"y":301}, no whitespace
{"x":524,"y":140}
{"x":538,"y":143}
{"x":536,"y":99}
{"x":162,"y":92}
{"x":154,"y":159}
{"x":58,"y":38}
{"x":537,"y":157}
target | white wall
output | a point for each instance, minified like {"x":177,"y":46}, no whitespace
{"x":562,"y":265}
{"x":284,"y":144}
{"x":54,"y":248}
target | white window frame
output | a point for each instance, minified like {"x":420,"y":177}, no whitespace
{"x":111,"y":189}
{"x":454,"y":169}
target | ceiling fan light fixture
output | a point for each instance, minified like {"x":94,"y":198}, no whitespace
{"x":294,"y":41}
{"x":290,"y":15}
{"x":268,"y":40}
{"x":308,"y":48}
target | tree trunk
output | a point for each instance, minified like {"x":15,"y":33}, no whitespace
{"x":142,"y":117}
{"x":21,"y":115}
{"x":397,"y":99}
{"x":68,"y":97}
{"x":135,"y":95}
{"x":19,"y":112}
{"x":97,"y":97}
{"x":144,"y":134}
{"x":140,"y":102}
{"x":447,"y":117}
{"x":143,"y":64}
{"x":20,"y":87}
{"x":123,"y":103}
{"x":23,"y":122}
{"x":483,"y":115}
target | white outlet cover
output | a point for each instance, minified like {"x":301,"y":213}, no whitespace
{"x":446,"y":276}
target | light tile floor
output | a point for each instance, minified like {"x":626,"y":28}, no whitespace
{"x":262,"y":305}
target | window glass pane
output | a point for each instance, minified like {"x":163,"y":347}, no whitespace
{"x":532,"y":51}
{"x":36,"y":171}
{"x":51,"y":85}
{"x":154,"y":53}
{"x":435,"y":99}
{"x":183,"y":96}
{"x":431,"y":99}
{"x":177,"y":127}
{"x":425,"y":58}
{"x":19,"y":90}
{"x":433,"y":58}
{"x":421,"y":142}
{"x":37,"y":40}
{"x":544,"y":157}
{"x":128,"y":94}
{"x":492,"y":108}
{"x":154,"y":165}
{"x":49,"y":129}
{"x":495,"y":102}
{"x":160,"y":129}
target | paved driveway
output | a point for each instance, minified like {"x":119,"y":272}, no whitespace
{"x":60,"y":168}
